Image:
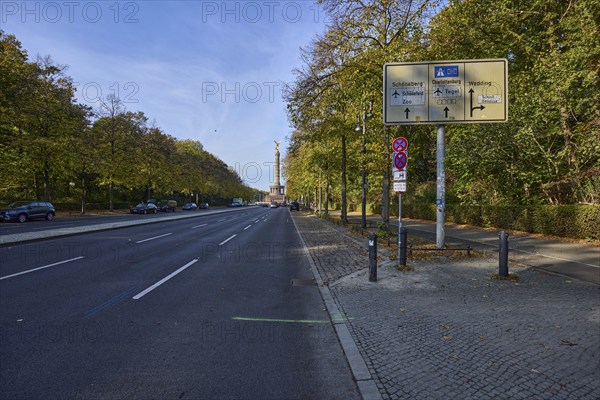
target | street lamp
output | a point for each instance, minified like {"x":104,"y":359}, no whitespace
{"x":362,"y":122}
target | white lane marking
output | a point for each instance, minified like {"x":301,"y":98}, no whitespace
{"x":227,"y":240}
{"x":163,"y":280}
{"x":247,"y":227}
{"x":38,"y":268}
{"x":221,"y":220}
{"x":257,"y":221}
{"x":155,"y":237}
{"x":198,"y":226}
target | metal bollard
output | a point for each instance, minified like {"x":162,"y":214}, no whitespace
{"x":503,"y":254}
{"x":402,"y":249}
{"x":372,"y":257}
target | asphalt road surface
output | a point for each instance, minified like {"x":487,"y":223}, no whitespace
{"x":187,"y":309}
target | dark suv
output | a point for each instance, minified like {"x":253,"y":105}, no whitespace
{"x":167,"y":205}
{"x":294,"y":205}
{"x":23,"y":210}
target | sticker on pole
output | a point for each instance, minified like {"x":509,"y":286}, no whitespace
{"x":400,"y":160}
{"x":399,"y":144}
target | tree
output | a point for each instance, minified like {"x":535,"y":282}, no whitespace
{"x":548,"y":152}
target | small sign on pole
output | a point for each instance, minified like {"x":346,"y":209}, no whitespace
{"x":400,"y":186}
{"x":400,"y":175}
{"x":399,"y":161}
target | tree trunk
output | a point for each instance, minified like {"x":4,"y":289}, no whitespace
{"x":83,"y":196}
{"x":110,"y":195}
{"x":46,"y":181}
{"x":327,"y":195}
{"x":385,"y":185}
{"x":344,"y":204}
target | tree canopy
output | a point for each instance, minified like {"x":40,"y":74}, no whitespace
{"x":547,"y":153}
{"x":53,"y":148}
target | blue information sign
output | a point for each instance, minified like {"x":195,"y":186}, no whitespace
{"x":446,"y":71}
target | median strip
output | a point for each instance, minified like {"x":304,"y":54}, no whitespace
{"x":163,"y":280}
{"x":39,"y":268}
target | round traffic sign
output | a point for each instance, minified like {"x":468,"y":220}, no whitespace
{"x":400,"y":144}
{"x":400,"y":160}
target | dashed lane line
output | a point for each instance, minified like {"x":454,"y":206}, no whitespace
{"x":155,"y":237}
{"x":227,"y":240}
{"x":163,"y":280}
{"x":39,"y":268}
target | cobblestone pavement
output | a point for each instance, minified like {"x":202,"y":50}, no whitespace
{"x":338,"y":255}
{"x":448,"y":331}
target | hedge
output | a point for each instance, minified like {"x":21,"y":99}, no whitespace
{"x":579,"y":221}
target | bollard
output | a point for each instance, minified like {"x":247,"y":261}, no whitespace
{"x":503,"y":254}
{"x":468,"y":250}
{"x":372,"y":257}
{"x":402,"y":249}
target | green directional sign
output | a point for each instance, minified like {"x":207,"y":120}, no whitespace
{"x":445,"y":92}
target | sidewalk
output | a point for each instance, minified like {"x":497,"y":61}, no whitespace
{"x":448,"y":331}
{"x":581,"y":261}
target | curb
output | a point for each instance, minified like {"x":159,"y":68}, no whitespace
{"x":364,"y":381}
{"x":28,"y":237}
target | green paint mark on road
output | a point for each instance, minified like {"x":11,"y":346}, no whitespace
{"x":291,"y":321}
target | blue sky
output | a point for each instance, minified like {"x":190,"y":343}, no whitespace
{"x":211,"y":71}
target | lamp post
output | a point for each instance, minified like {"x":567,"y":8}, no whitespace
{"x":362,"y":120}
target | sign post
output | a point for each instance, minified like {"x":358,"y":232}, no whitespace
{"x":440,"y":202}
{"x":445,"y":92}
{"x":399,"y":147}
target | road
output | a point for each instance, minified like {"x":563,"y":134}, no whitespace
{"x":195,"y":308}
{"x":60,"y":222}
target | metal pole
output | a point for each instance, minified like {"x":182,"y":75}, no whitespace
{"x":441,"y":187}
{"x":503,"y":254}
{"x":402,"y":255}
{"x":363,"y":222}
{"x":399,"y":225}
{"x":372,"y":257}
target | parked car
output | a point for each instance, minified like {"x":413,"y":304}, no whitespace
{"x":235,"y":204}
{"x":294,"y":205}
{"x":203,"y":206}
{"x":190,"y":206}
{"x":144,"y":208}
{"x":167,"y":205}
{"x":22,"y":211}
